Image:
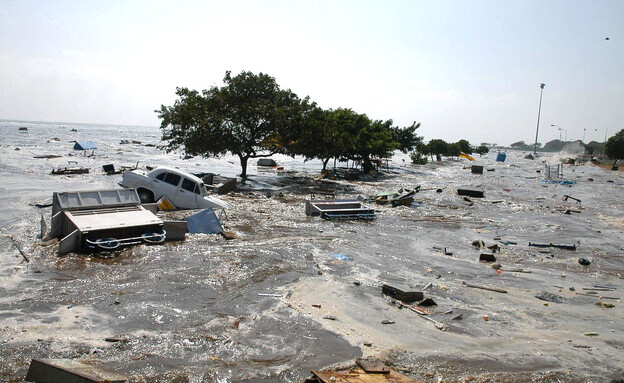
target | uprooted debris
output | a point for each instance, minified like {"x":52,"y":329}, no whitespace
{"x":69,"y":171}
{"x":549,"y":297}
{"x":547,"y":245}
{"x":364,"y":370}
{"x":69,"y":370}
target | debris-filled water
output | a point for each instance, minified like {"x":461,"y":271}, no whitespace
{"x":294,"y":293}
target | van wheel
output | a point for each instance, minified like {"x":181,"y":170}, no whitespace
{"x":145,"y":196}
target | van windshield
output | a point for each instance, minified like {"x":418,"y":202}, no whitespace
{"x":204,"y":189}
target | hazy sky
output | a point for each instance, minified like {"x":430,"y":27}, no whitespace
{"x":464,"y":69}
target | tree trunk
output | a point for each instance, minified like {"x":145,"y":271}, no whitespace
{"x":367,"y":164}
{"x":243,"y":162}
{"x":325,"y":161}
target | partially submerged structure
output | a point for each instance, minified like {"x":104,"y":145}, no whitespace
{"x":339,"y":210}
{"x":102,"y":219}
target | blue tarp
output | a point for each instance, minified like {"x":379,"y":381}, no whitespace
{"x":501,"y":157}
{"x":205,"y":222}
{"x":85,"y":145}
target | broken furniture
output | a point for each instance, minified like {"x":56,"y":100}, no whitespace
{"x":69,"y":370}
{"x":339,"y":210}
{"x":102,"y":219}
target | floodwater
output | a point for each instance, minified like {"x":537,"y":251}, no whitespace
{"x":208,"y":309}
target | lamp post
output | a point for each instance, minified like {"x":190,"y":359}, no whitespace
{"x":559,"y":129}
{"x":539,"y":111}
{"x":584,"y":129}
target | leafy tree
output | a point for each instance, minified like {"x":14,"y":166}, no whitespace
{"x":453,"y":150}
{"x":418,"y":158}
{"x":518,"y":144}
{"x":594,"y":147}
{"x":554,"y":145}
{"x":406,"y":138}
{"x":327,"y":134}
{"x":614,"y":148}
{"x":436,"y":147}
{"x":464,"y":146}
{"x":374,"y":139}
{"x":250,"y":116}
{"x":481,"y":150}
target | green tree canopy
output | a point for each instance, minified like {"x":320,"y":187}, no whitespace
{"x":250,"y":116}
{"x":406,"y":138}
{"x":481,"y":150}
{"x":436,"y":147}
{"x":465,"y":146}
{"x":614,"y":148}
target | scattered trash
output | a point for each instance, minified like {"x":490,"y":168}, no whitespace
{"x":544,"y":245}
{"x":317,"y":306}
{"x":205,"y":222}
{"x":605,"y":305}
{"x":329,"y":317}
{"x":466,"y":156}
{"x":70,"y":171}
{"x":23,"y":129}
{"x":359,"y":374}
{"x":591,"y":333}
{"x":549,"y":297}
{"x":270,"y":295}
{"x":339,"y":210}
{"x":373,"y":366}
{"x":584,"y":261}
{"x":427,"y":303}
{"x":560,"y":182}
{"x":496,"y":289}
{"x":47,"y":156}
{"x":477,"y":169}
{"x":17,"y":246}
{"x":86,"y":145}
{"x":458,"y":317}
{"x":408,"y":297}
{"x":387,"y":321}
{"x":567,"y":197}
{"x":69,"y":370}
{"x":342,"y":257}
{"x":483,"y":257}
{"x":508,"y":242}
{"x":477,"y":243}
{"x":529,"y":157}
{"x":501,"y":157}
{"x":164,"y":204}
{"x":471,"y":193}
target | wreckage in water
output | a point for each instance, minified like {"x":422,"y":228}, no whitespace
{"x":102,"y":219}
{"x":340,"y":210}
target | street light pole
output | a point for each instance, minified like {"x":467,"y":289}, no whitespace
{"x":584,"y":129}
{"x":559,"y":129}
{"x":539,"y":112}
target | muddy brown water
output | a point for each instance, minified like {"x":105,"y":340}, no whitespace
{"x":208,"y":309}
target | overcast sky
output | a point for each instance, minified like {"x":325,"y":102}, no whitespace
{"x":464,"y":69}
